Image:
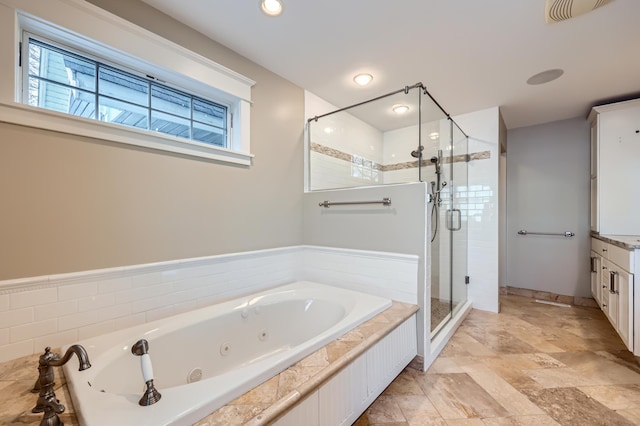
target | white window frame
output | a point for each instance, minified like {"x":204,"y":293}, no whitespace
{"x":81,"y":24}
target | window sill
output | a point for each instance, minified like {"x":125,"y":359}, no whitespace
{"x":24,"y":115}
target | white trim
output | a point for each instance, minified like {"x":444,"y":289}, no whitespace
{"x":28,"y":116}
{"x":25,"y":284}
{"x":442,"y":338}
{"x":412,"y":258}
{"x":80,"y":19}
{"x":132,"y":46}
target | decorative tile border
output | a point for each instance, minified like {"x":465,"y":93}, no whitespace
{"x":361,"y":161}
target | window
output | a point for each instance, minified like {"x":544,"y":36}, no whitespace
{"x":72,"y":67}
{"x":64,"y":81}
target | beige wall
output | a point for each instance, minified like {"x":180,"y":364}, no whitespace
{"x":70,"y":203}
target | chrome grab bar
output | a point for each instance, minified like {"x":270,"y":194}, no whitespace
{"x":326,"y":204}
{"x":562,"y":234}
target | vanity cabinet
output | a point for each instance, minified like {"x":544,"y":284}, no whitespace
{"x":615,"y":154}
{"x":612,"y":286}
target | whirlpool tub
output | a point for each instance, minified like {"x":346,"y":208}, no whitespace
{"x":205,"y":358}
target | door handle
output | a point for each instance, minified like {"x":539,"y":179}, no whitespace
{"x":612,"y":282}
{"x":450,"y":214}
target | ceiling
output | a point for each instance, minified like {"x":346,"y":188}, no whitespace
{"x":470,"y":54}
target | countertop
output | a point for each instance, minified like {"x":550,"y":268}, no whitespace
{"x":261,"y":405}
{"x":629,"y":242}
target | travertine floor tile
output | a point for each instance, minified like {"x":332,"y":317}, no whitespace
{"x":385,"y":410}
{"x":560,"y":377}
{"x":632,"y":414}
{"x":597,"y":368}
{"x":531,"y":365}
{"x":570,"y":406}
{"x":457,"y":396}
{"x":505,"y":394}
{"x":404,"y":384}
{"x":615,"y":397}
{"x":418,"y":410}
{"x":465,"y":422}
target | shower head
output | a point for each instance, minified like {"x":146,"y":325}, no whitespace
{"x":418,"y":152}
{"x":434,"y":160}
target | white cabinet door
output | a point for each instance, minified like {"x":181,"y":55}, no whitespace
{"x":604,"y":285}
{"x":594,"y":175}
{"x":594,"y":205}
{"x":624,"y":291}
{"x":596,"y":271}
{"x":618,"y":172}
{"x":609,"y":279}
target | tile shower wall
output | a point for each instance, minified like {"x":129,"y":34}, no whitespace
{"x":356,"y":142}
{"x":61,"y":309}
{"x":368,"y":272}
{"x":483,"y":128}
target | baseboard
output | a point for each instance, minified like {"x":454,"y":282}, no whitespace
{"x":551,"y":297}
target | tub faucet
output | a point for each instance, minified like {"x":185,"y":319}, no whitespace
{"x":47,"y":401}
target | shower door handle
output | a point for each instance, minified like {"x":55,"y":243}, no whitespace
{"x":450,"y":214}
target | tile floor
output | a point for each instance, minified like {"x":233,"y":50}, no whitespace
{"x":532,"y":364}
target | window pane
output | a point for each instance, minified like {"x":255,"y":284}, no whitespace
{"x":170,"y":124}
{"x":67,"y":82}
{"x":167,"y":100}
{"x":210,"y":113}
{"x":113,"y":111}
{"x":61,"y":66}
{"x":209,"y":134}
{"x":124,"y":86}
{"x":56,"y":97}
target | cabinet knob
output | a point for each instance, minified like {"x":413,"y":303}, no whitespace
{"x":604,"y":249}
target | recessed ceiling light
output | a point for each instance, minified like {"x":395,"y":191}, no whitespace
{"x":271,"y":7}
{"x":328,"y":130}
{"x":400,"y":109}
{"x":363,"y":79}
{"x":434,"y":135}
{"x":545,"y":76}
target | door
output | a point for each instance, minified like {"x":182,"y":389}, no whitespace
{"x":596,"y":287}
{"x":449,"y":214}
{"x":457,"y":217}
{"x":609,"y":287}
{"x":624,"y":291}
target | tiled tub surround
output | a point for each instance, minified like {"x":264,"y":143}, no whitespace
{"x":62,"y":309}
{"x":261,"y":405}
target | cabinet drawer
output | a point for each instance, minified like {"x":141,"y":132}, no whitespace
{"x":600,"y":247}
{"x":621,"y":257}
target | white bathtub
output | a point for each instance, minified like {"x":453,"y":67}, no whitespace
{"x":236,"y":345}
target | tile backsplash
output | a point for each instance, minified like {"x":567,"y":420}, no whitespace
{"x":60,"y":309}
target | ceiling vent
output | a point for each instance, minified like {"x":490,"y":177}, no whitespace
{"x":559,"y":10}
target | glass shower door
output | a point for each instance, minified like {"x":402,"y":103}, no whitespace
{"x":457,"y":224}
{"x":449,"y":242}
